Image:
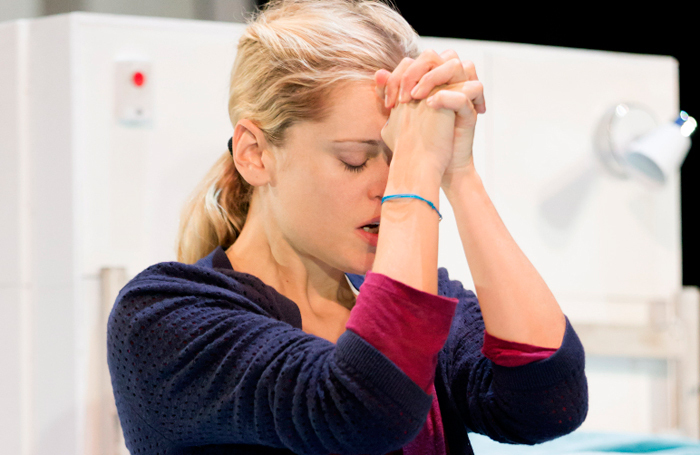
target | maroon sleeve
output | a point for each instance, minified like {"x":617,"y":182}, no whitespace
{"x":512,"y":354}
{"x":407,"y":325}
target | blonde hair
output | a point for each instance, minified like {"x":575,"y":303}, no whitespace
{"x":292,"y":55}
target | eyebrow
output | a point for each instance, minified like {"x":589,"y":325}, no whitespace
{"x":361,"y":141}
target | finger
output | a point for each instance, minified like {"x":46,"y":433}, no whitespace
{"x":391,"y":88}
{"x":465,"y":115}
{"x":470,"y":70}
{"x":427,"y":60}
{"x":449,"y":72}
{"x":449,"y":54}
{"x":474,"y":90}
{"x":380,"y":79}
{"x":449,"y":99}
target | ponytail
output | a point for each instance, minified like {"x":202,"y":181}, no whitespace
{"x":215,"y":214}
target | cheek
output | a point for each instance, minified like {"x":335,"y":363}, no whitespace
{"x":334,"y":196}
{"x":312,"y":199}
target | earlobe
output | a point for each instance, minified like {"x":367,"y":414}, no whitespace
{"x":248,"y":147}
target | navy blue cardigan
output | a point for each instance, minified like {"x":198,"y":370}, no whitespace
{"x":207,"y":360}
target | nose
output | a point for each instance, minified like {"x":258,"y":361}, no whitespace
{"x":380,"y":176}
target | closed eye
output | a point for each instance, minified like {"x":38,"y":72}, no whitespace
{"x":352,"y":168}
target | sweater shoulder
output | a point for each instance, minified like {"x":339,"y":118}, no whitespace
{"x":199,"y":283}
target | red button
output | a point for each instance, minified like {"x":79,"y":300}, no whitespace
{"x":139,"y":78}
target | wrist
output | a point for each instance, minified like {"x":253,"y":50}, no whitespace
{"x":418,"y":177}
{"x":453,"y":183}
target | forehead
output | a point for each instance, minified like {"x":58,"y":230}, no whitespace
{"x":355,"y":111}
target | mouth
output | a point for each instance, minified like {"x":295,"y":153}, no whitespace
{"x":370,"y":232}
{"x":372,"y":228}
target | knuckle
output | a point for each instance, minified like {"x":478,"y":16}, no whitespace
{"x":407,"y":77}
{"x":470,"y":69}
{"x":455,"y":62}
{"x":406,"y":61}
{"x":473,"y":86}
{"x":393,"y":77}
{"x":439,"y":95}
{"x":430,"y":53}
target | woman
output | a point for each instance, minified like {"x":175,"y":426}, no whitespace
{"x":264,"y":344}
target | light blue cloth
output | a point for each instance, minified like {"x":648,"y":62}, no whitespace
{"x":588,"y":443}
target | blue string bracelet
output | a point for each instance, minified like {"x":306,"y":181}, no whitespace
{"x":414,"y":196}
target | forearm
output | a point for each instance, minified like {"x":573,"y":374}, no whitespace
{"x":516,"y":304}
{"x":408,"y":235}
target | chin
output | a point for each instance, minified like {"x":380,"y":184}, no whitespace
{"x":360,"y":266}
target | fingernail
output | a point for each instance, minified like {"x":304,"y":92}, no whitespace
{"x":386,"y":100}
{"x":414,"y":91}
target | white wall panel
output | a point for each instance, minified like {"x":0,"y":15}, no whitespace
{"x":587,"y":232}
{"x":54,"y":239}
{"x":15,"y":304}
{"x":140,"y":176}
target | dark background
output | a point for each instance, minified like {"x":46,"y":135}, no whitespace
{"x":662,"y":29}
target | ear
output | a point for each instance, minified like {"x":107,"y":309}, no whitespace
{"x":251,"y":153}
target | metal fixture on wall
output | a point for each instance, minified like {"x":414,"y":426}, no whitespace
{"x":631,"y":143}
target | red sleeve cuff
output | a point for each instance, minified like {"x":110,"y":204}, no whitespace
{"x":512,"y":354}
{"x":407,"y":325}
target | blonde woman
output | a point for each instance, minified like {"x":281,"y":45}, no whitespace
{"x":259,"y":342}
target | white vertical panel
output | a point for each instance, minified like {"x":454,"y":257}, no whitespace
{"x":15,"y":346}
{"x":10,"y":153}
{"x":11,"y":378}
{"x":54,"y":247}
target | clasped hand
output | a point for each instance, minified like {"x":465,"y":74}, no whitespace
{"x":434,"y":103}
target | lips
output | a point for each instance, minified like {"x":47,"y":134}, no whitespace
{"x":374,"y":220}
{"x":373,"y":226}
{"x":368,"y":237}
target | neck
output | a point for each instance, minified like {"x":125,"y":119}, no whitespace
{"x":262,"y":251}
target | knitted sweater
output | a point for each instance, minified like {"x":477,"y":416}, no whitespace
{"x":207,"y":360}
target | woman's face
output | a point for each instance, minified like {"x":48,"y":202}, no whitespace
{"x":330,"y":179}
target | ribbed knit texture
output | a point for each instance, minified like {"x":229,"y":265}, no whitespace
{"x":206,"y":360}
